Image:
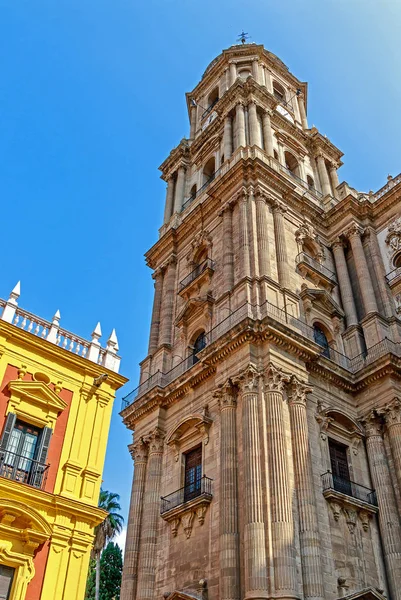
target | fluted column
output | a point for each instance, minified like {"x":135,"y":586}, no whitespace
{"x":229,"y":542}
{"x":151,"y":516}
{"x":362,"y":269}
{"x":168,"y":210}
{"x":192,"y":130}
{"x":167,"y":304}
{"x":262,"y":232}
{"x":233,"y":72}
{"x":244,"y":235}
{"x":388,"y":515}
{"x":267,"y":133}
{"x":179,"y":189}
{"x":334,"y":180}
{"x":281,"y":502}
{"x":312,"y":574}
{"x":344,"y":283}
{"x":240,"y":126}
{"x":254,"y":128}
{"x":281,"y":245}
{"x":228,"y":250}
{"x":380,"y":272}
{"x":155,"y":325}
{"x":255,"y":70}
{"x":302,"y":112}
{"x":255,"y":560}
{"x":139,"y":452}
{"x":323,"y":175}
{"x":392,"y":415}
{"x":228,"y":137}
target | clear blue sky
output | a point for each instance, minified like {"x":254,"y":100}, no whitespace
{"x":92,"y":101}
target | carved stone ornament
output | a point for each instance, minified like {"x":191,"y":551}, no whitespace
{"x":174,"y":526}
{"x":201,"y":241}
{"x":392,"y":413}
{"x":323,"y":420}
{"x":307,"y":234}
{"x":393,"y":238}
{"x":226,"y":395}
{"x":187,"y":522}
{"x":365,"y":518}
{"x":298,"y":391}
{"x":372,"y":424}
{"x":248,"y":380}
{"x":336,"y":508}
{"x":201,"y":513}
{"x":139,"y":451}
{"x":351,"y":516}
{"x":275,"y":379}
{"x":354,"y":230}
{"x":156,"y":441}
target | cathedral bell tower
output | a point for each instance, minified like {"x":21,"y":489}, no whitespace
{"x":260,"y":429}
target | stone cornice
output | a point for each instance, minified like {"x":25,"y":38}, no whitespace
{"x":319,"y":144}
{"x":178,"y":156}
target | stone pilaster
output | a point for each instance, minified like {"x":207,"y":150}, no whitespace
{"x":334,"y":180}
{"x":309,"y":538}
{"x":228,"y":250}
{"x":229,"y":534}
{"x":267,"y":133}
{"x":179,"y":190}
{"x":380,"y":273}
{"x":233,"y":72}
{"x":139,"y":452}
{"x":392,"y":416}
{"x":240,"y":138}
{"x":281,"y":502}
{"x":255,"y":70}
{"x":281,"y":245}
{"x":192,"y":130}
{"x":168,"y":210}
{"x":388,"y":515}
{"x":228,"y":137}
{"x":167,"y":306}
{"x":244,"y":235}
{"x":344,"y":283}
{"x":155,"y":325}
{"x":262,"y":231}
{"x":150,"y":518}
{"x":254,"y":129}
{"x":362,"y":270}
{"x":323,"y":175}
{"x":256,"y":579}
{"x":302,"y":112}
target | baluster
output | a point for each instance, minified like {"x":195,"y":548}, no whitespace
{"x":17,"y":317}
{"x":36,"y":330}
{"x":23,"y":324}
{"x":77,"y":348}
{"x":58,"y":340}
{"x":65,"y":341}
{"x":71,"y":346}
{"x":44,"y":332}
{"x":84,"y":351}
{"x":30,"y":326}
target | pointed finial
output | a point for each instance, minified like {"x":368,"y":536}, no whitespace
{"x":56,"y":317}
{"x":112,"y":341}
{"x":16,"y":292}
{"x":97,"y":332}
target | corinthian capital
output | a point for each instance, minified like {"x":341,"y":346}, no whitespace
{"x":372,"y":424}
{"x":248,"y":380}
{"x":354,"y":230}
{"x":337,"y":243}
{"x":139,"y":451}
{"x":275,"y":379}
{"x":392,"y":412}
{"x":156,"y":441}
{"x":298,"y":391}
{"x":226,"y":395}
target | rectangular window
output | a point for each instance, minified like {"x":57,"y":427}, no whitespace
{"x":6,"y":581}
{"x":193,"y":474}
{"x":339,"y":467}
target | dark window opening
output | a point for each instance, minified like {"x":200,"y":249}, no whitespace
{"x":278,"y":91}
{"x":6,"y":581}
{"x":193,"y":474}
{"x":275,"y":154}
{"x":339,"y":467}
{"x":311,"y":183}
{"x":321,"y":339}
{"x":199,"y":344}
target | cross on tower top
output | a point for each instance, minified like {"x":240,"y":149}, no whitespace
{"x":242,"y":37}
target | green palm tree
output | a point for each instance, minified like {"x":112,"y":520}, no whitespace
{"x":107,"y":529}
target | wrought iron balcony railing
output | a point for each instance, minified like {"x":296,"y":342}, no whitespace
{"x":303,"y":257}
{"x":200,"y":487}
{"x":209,"y":108}
{"x":199,"y":269}
{"x":349,"y":488}
{"x":23,"y":469}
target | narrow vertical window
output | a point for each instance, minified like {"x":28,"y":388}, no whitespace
{"x":193,"y":474}
{"x":339,"y":467}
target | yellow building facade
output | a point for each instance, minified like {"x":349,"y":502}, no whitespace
{"x":56,"y":399}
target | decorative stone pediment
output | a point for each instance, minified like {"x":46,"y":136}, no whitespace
{"x":35,"y":401}
{"x":197,"y":424}
{"x":307,"y":239}
{"x":201,"y":243}
{"x":321,"y":301}
{"x":22,"y":524}
{"x":369,"y":593}
{"x":193,"y":308}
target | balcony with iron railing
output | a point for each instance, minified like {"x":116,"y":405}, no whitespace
{"x":205,"y":268}
{"x":394,"y":277}
{"x":333,"y":483}
{"x":200,"y":489}
{"x":209,"y":108}
{"x":25,"y":470}
{"x":307,"y":264}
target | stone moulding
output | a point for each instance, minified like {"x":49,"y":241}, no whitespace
{"x":185,"y":514}
{"x":351,"y":508}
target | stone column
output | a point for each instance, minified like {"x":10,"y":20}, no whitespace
{"x":362,"y":269}
{"x":388,"y":515}
{"x":179,"y":190}
{"x":380,"y":272}
{"x":255,"y":560}
{"x":281,"y":501}
{"x":281,"y":246}
{"x":167,"y":305}
{"x":392,"y":415}
{"x":262,"y":232}
{"x":267,"y":134}
{"x":344,"y":283}
{"x":244,"y":235}
{"x":228,"y":137}
{"x":255,"y":70}
{"x":228,"y":250}
{"x":155,"y":325}
{"x":240,"y":126}
{"x":302,"y":112}
{"x":268,"y":80}
{"x":233,"y":72}
{"x":151,"y":516}
{"x":229,"y":535}
{"x":334,"y":180}
{"x":312,"y":572}
{"x":139,"y":452}
{"x":254,"y":129}
{"x":168,"y":211}
{"x":323,"y":175}
{"x":192,"y":130}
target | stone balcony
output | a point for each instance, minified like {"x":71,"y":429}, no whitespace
{"x":316,"y":271}
{"x":183,"y":505}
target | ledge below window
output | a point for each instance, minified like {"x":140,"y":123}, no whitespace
{"x":186,"y":512}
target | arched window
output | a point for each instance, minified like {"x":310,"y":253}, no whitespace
{"x":321,"y":339}
{"x":199,"y":344}
{"x":244,"y":74}
{"x":209,"y":169}
{"x":291,"y":163}
{"x":213,"y":98}
{"x":397,"y":261}
{"x":192,"y":193}
{"x":278,"y":91}
{"x":311,"y":183}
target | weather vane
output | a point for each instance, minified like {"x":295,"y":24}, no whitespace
{"x":242,"y":37}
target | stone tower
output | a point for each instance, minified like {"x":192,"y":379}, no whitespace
{"x":267,"y":422}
